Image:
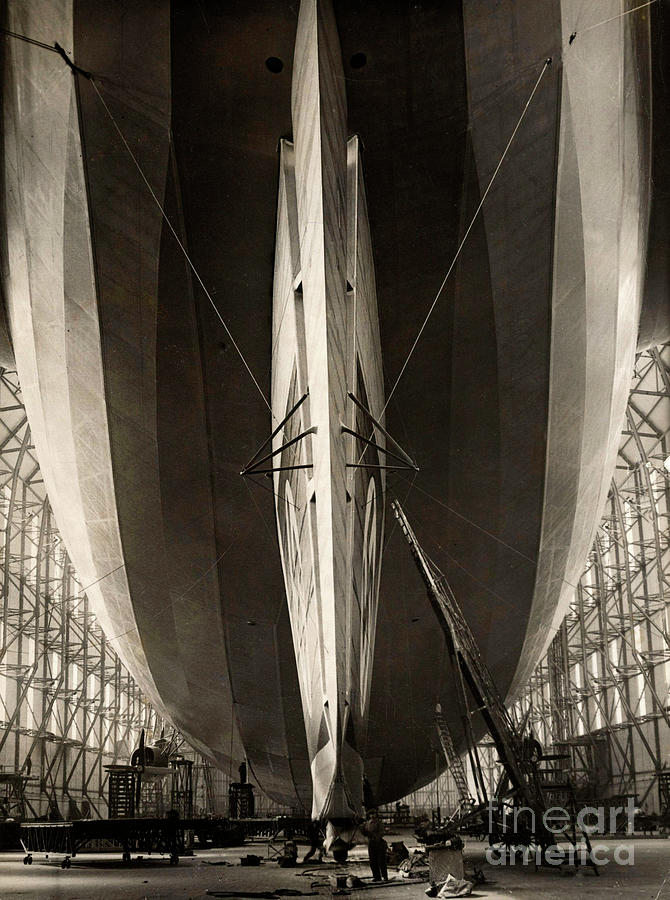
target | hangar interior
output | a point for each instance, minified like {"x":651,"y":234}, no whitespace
{"x":334,"y":448}
{"x":601,"y":694}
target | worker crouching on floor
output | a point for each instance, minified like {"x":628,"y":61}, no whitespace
{"x":288,"y":857}
{"x":374,"y":831}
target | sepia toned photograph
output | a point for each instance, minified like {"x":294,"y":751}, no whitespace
{"x":334,"y":449}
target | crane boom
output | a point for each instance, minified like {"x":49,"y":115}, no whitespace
{"x":521,"y":766}
{"x":522,"y":774}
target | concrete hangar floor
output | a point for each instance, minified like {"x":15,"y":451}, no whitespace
{"x":212,"y":873}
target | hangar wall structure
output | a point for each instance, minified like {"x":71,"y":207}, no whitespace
{"x":602,"y":692}
{"x":68,"y":706}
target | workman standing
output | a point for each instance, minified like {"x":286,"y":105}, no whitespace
{"x":315,"y":841}
{"x":374,"y":831}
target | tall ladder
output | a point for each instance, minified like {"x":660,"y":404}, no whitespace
{"x":520,"y":768}
{"x":209,"y":787}
{"x":452,"y":757}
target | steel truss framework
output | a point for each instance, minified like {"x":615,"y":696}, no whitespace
{"x":67,"y":705}
{"x":602,"y":693}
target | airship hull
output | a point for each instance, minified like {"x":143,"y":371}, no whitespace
{"x":143,"y":411}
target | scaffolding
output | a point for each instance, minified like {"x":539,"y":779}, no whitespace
{"x":601,"y":695}
{"x":68,"y":707}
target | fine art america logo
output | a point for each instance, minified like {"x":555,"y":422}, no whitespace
{"x":557,"y":824}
